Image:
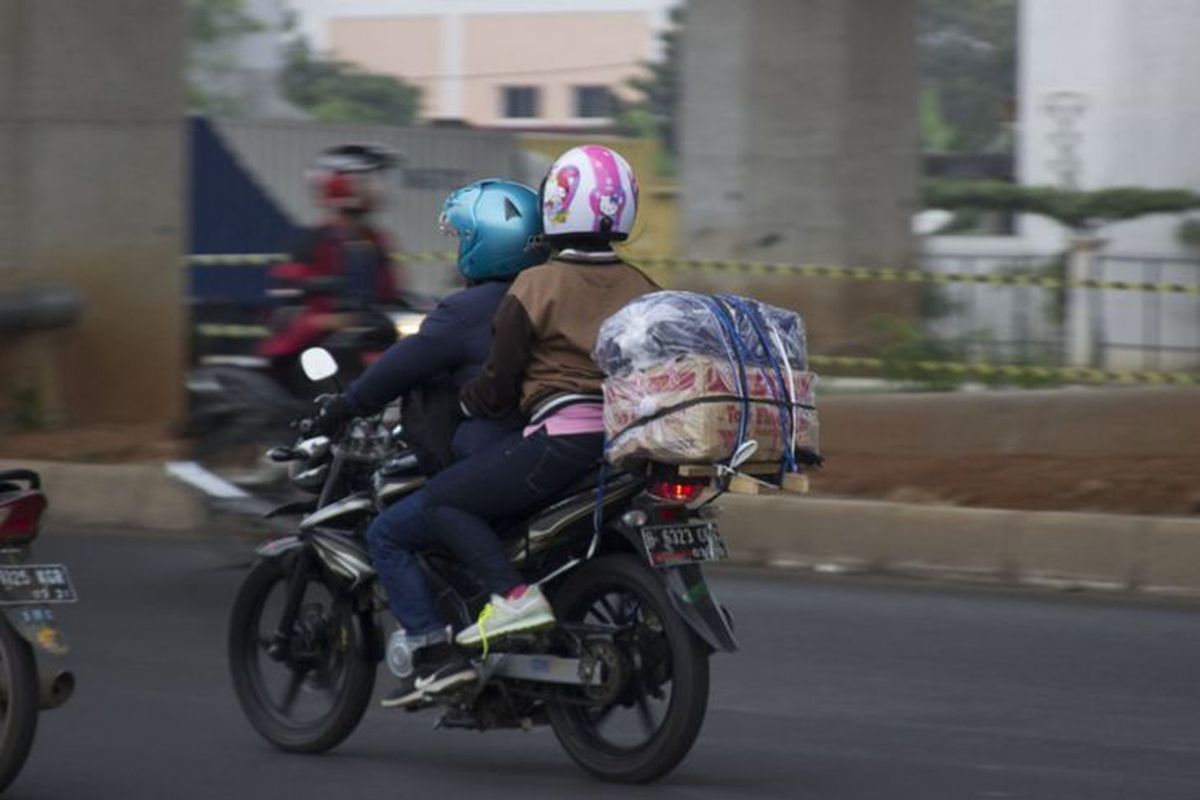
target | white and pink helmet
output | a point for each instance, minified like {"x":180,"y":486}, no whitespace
{"x":590,"y":190}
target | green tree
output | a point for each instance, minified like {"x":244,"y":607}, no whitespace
{"x":967,"y":52}
{"x":655,"y":112}
{"x":334,"y":91}
{"x":213,"y":26}
{"x":968,"y":58}
{"x":1076,"y":209}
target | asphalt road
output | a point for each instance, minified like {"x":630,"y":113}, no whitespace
{"x":844,"y":689}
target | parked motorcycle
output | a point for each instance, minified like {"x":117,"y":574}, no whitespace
{"x":28,"y":594}
{"x":622,"y":679}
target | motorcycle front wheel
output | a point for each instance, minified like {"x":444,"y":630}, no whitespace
{"x":304,"y":688}
{"x":645,"y":716}
{"x":19,"y":702}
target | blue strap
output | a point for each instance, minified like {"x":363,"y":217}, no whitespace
{"x":738,"y":363}
{"x":781,"y":392}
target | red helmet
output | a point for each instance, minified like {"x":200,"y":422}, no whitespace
{"x":348,"y":177}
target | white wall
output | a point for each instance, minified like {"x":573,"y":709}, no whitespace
{"x":1136,"y":64}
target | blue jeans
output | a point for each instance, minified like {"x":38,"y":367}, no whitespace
{"x":514,"y":475}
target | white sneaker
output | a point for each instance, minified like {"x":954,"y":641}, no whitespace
{"x":506,"y":615}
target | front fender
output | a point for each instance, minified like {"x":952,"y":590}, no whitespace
{"x":277,"y":547}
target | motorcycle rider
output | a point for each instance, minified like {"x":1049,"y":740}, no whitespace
{"x":343,"y":262}
{"x":498,"y":225}
{"x":540,"y":366}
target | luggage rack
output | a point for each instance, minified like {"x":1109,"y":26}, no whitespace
{"x":747,"y":480}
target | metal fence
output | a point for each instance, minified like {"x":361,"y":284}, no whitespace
{"x":1014,"y":323}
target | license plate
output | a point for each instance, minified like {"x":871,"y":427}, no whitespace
{"x":35,"y":584}
{"x":670,"y":545}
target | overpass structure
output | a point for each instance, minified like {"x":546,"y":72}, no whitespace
{"x":799,"y":144}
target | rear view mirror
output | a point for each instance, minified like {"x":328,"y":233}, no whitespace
{"x":318,"y":364}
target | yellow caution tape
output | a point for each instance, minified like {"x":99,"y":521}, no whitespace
{"x":1060,"y":374}
{"x":887,"y":275}
{"x":259,"y":259}
{"x":210,"y":330}
{"x":1063,"y":374}
{"x":909,"y":275}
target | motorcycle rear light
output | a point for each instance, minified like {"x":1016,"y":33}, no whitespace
{"x":20,"y":515}
{"x":678,"y":490}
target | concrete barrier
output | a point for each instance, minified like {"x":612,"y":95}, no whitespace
{"x":138,"y":496}
{"x":1070,"y":550}
{"x":1159,"y":555}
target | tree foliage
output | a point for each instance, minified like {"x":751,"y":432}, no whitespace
{"x":1078,"y":210}
{"x":334,"y":91}
{"x":212,"y":27}
{"x":968,"y":58}
{"x":656,"y":111}
{"x":967,"y":51}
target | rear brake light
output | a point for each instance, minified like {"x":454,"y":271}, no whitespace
{"x":19,"y":516}
{"x":678,"y":490}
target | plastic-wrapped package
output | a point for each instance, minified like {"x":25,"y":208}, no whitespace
{"x":676,"y":364}
{"x":658,"y":327}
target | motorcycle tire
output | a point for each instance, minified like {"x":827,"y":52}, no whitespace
{"x":246,"y":646}
{"x":19,"y":704}
{"x":574,"y":726}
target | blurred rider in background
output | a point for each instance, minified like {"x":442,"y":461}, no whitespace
{"x":339,"y":266}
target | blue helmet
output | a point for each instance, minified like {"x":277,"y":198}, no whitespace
{"x":498,"y":224}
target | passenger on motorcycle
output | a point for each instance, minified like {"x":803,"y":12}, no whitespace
{"x":341,"y":264}
{"x":540,"y":367}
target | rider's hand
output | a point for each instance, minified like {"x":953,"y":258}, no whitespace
{"x":333,"y":412}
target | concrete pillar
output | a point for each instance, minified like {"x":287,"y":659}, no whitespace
{"x":91,"y":196}
{"x":800,"y":144}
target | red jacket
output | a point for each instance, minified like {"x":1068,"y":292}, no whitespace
{"x":322,"y":253}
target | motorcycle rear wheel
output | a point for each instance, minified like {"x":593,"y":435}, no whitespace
{"x":19,"y":702}
{"x":621,"y":592}
{"x":326,"y":654}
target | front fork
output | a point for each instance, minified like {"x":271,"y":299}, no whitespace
{"x":301,"y":565}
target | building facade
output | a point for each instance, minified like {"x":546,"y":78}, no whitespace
{"x":550,"y":65}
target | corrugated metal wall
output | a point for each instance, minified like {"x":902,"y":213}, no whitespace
{"x":435,"y":161}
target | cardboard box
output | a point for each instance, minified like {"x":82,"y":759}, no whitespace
{"x":688,"y":411}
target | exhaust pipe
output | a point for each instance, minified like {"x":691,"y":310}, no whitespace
{"x":56,"y":688}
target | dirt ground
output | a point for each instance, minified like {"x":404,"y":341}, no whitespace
{"x":1148,"y":485}
{"x":1144,"y":485}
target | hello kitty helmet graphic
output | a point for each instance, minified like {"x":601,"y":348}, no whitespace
{"x":590,"y":194}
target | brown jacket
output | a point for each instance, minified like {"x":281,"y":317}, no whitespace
{"x":544,"y":332}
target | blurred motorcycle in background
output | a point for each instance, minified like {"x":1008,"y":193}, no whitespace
{"x":238,"y":406}
{"x":28,"y":593}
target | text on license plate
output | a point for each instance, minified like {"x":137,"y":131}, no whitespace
{"x":35,"y":583}
{"x":683,"y":544}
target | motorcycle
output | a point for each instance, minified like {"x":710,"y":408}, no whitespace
{"x":28,"y":623}
{"x":239,"y":405}
{"x":623,"y":677}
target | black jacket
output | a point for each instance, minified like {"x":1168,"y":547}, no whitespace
{"x":429,"y":368}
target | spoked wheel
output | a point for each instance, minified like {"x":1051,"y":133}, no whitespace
{"x":643,"y":717}
{"x":305,"y":690}
{"x":19,"y":702}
